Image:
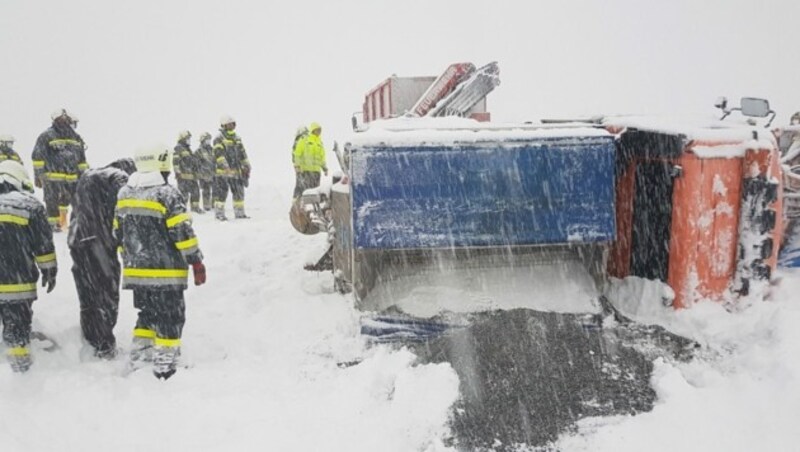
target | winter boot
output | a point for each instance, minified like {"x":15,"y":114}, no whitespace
{"x":62,"y":217}
{"x":219,"y":212}
{"x":142,"y":345}
{"x":238,"y":210}
{"x":165,"y":361}
{"x":20,"y":359}
{"x":106,"y":353}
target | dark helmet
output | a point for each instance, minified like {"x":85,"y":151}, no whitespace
{"x":124,"y":164}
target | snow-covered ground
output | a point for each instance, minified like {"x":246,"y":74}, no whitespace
{"x":263,"y":339}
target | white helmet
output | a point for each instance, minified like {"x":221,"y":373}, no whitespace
{"x":153,"y":158}
{"x":6,"y":139}
{"x":225,"y":120}
{"x":185,"y":135}
{"x":205,"y":136}
{"x":63,"y":112}
{"x":14,"y":173}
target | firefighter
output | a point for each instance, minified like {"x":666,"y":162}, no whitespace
{"x":157,"y":245}
{"x":185,"y":164}
{"x":7,"y":151}
{"x":26,"y":241}
{"x":308,"y":157}
{"x":59,"y":158}
{"x":95,"y":265}
{"x":205,"y":169}
{"x":232,"y":169}
{"x":299,"y":183}
{"x":792,"y":157}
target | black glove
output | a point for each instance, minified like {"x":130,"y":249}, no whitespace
{"x":49,"y":279}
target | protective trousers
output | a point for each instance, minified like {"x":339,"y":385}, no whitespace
{"x":57,"y":197}
{"x":16,"y":317}
{"x":221,"y":187}
{"x":305,"y":180}
{"x":206,"y":186}
{"x":162,"y":312}
{"x":96,"y":271}
{"x":190,"y":192}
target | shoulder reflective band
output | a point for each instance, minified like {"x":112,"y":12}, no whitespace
{"x":61,"y":176}
{"x":172,"y":222}
{"x":64,"y":141}
{"x":141,"y":204}
{"x":7,"y":218}
{"x":38,"y":163}
{"x":83,"y":166}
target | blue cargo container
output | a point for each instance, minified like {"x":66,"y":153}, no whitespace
{"x":446,"y":191}
{"x":555,"y":190}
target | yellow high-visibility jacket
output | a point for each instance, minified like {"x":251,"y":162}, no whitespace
{"x":309,"y":154}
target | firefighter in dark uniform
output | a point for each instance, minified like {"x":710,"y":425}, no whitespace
{"x":232,"y":169}
{"x":185,"y":164}
{"x":205,"y":170}
{"x":7,"y":151}
{"x":59,"y":158}
{"x":95,"y":265}
{"x":26,"y":241}
{"x":158,"y":244}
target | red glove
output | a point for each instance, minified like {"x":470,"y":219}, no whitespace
{"x":199,"y":271}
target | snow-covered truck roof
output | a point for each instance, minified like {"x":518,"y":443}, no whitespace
{"x":399,"y":132}
{"x":709,"y":138}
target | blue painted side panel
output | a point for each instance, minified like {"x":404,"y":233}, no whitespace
{"x":790,"y":254}
{"x":553,"y":190}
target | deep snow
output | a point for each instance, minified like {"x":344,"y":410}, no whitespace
{"x":263,"y":339}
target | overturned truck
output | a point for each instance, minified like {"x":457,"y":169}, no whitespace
{"x":500,"y":248}
{"x":695,"y":207}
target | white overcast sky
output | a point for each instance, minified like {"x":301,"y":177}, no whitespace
{"x":140,"y":71}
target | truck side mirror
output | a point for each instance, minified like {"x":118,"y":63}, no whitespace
{"x":755,"y":107}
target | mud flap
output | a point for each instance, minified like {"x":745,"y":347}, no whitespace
{"x":324,"y":263}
